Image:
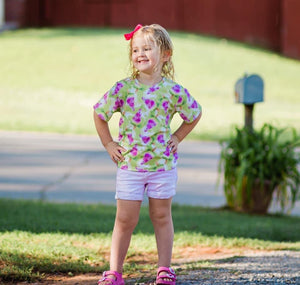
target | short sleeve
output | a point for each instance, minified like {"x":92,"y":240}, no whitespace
{"x":111,"y":102}
{"x":187,"y":107}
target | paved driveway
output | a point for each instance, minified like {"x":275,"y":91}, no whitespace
{"x":71,"y":168}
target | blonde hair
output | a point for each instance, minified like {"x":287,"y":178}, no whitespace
{"x":161,"y":38}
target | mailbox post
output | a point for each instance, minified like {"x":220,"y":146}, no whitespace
{"x":248,"y":91}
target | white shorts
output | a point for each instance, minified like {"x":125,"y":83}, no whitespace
{"x":131,"y":185}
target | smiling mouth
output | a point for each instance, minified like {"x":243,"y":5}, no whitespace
{"x":143,"y":61}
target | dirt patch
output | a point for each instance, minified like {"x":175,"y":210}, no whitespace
{"x":180,"y":258}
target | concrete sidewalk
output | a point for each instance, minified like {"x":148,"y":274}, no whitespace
{"x":73,"y":168}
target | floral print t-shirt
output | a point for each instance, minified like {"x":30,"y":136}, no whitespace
{"x":144,"y":127}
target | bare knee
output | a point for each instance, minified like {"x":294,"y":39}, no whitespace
{"x":127,"y":215}
{"x":160,"y":216}
{"x":126,"y":222}
{"x":160,"y":211}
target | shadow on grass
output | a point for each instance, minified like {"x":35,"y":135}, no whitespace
{"x":26,"y":267}
{"x":39,"y":217}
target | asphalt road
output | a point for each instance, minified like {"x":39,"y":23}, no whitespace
{"x":75,"y":168}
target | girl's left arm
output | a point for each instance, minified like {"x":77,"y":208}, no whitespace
{"x":181,"y":133}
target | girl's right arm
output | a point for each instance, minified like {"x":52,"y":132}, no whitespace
{"x":113,"y":148}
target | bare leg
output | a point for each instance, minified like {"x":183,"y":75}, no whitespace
{"x":127,"y":217}
{"x":161,"y":217}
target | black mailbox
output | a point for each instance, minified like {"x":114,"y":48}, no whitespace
{"x":249,"y":90}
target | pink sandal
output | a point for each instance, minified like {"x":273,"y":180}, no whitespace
{"x":170,"y":274}
{"x":111,"y":281}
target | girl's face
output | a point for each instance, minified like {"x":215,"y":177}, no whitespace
{"x":146,"y":57}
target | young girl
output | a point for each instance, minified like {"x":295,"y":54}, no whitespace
{"x":146,"y":151}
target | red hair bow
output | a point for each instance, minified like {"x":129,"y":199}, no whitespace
{"x":130,"y":35}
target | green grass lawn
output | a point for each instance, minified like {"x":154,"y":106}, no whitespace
{"x":42,"y":238}
{"x":50,"y":78}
